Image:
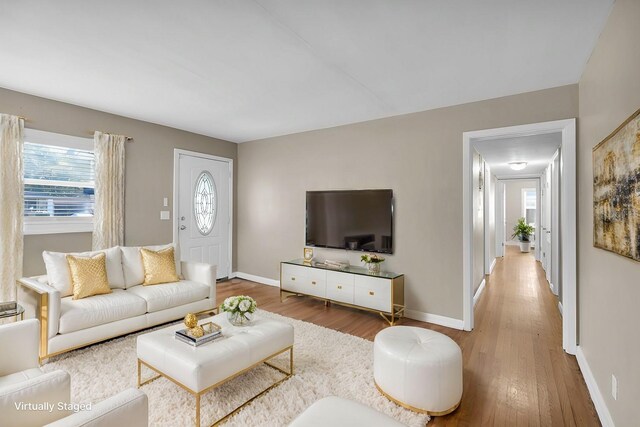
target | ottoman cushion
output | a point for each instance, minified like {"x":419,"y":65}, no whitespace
{"x":337,"y":412}
{"x":201,"y":367}
{"x":418,"y":368}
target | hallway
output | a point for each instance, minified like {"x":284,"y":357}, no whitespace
{"x":515,"y":371}
{"x":516,"y":351}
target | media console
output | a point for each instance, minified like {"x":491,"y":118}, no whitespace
{"x":352,"y":286}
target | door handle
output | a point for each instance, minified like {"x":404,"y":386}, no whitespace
{"x":183,"y":227}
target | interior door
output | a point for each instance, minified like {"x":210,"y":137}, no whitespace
{"x":204,"y":211}
{"x":547,"y":224}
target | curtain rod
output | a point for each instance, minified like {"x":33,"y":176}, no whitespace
{"x":128,"y":138}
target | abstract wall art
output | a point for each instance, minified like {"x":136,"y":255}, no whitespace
{"x":616,"y":190}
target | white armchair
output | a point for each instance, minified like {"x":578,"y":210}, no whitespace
{"x":24,"y":388}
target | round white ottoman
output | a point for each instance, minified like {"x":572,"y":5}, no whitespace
{"x":418,"y":369}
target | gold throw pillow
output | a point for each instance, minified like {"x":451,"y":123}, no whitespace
{"x":88,"y":275}
{"x":159,"y":267}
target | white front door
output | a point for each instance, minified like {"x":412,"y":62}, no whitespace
{"x":203,"y":211}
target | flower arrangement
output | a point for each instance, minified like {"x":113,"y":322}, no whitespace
{"x":371,"y":259}
{"x":239,"y":309}
{"x":373,"y":262}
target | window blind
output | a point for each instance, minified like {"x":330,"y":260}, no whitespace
{"x":59,"y":181}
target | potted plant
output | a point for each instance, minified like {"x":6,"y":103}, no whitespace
{"x":373,"y":262}
{"x":523,"y":231}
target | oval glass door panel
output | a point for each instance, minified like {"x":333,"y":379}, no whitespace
{"x":204,"y":203}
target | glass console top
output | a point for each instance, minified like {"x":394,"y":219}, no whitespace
{"x":350,"y":269}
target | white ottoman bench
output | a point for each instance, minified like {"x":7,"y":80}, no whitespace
{"x":200,"y":369}
{"x":418,"y":369}
{"x":338,"y":412}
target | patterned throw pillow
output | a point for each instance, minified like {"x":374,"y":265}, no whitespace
{"x":88,"y":275}
{"x":159,"y":267}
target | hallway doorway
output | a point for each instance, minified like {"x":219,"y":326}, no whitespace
{"x":544,"y":154}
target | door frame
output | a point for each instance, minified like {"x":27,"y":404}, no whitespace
{"x":177,"y":152}
{"x":568,"y":216}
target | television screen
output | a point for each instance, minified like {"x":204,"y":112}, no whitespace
{"x":358,"y":220}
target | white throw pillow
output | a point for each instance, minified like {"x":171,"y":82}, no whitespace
{"x":132,"y":262}
{"x":59,"y":277}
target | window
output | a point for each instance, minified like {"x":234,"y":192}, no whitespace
{"x":204,"y":203}
{"x":529,"y":205}
{"x":58,"y":183}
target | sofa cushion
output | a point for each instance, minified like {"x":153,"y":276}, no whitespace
{"x":58,"y":269}
{"x":98,"y":310}
{"x":132,"y":262}
{"x":167,"y":295}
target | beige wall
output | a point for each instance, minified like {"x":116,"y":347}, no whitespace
{"x":513,"y":204}
{"x":418,"y":155}
{"x":149,"y":169}
{"x":609,"y":285}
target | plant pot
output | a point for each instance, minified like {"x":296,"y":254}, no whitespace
{"x":525,"y":246}
{"x":239,"y":319}
{"x":374,"y":267}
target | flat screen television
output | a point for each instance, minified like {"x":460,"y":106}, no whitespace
{"x":358,"y":220}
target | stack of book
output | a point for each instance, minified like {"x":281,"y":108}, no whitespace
{"x":184,"y":336}
{"x":8,"y":308}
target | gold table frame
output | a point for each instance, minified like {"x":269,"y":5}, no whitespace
{"x":198,"y":394}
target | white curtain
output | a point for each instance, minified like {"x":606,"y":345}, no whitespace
{"x":108,"y":228}
{"x":11,"y":204}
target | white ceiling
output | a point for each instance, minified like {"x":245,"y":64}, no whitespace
{"x":242,"y":70}
{"x":536,"y":150}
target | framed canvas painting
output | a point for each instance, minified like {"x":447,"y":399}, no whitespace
{"x":616,"y":190}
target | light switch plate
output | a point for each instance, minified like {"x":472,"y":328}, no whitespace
{"x":165,"y":202}
{"x":164,"y":215}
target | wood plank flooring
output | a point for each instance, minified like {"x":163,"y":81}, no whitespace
{"x":515,"y":371}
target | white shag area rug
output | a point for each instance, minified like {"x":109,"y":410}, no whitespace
{"x":326,"y":363}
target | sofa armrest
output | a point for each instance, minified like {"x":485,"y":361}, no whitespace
{"x":42,"y":301}
{"x":51,"y":388}
{"x":201,"y":273}
{"x":19,"y":344}
{"x":129,"y":408}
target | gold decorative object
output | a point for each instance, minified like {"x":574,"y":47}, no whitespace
{"x":196,"y":331}
{"x":159,"y":267}
{"x":190,"y":320}
{"x":308,"y":254}
{"x":88,"y":275}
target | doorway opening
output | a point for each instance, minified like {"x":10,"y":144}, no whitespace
{"x":536,"y":165}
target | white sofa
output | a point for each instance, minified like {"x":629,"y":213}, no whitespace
{"x":67,"y":324}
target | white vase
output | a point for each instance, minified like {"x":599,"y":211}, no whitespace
{"x":374,"y":267}
{"x":525,"y":246}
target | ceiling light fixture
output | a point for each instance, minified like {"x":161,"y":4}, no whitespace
{"x":517,"y":166}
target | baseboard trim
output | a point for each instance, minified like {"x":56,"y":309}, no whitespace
{"x":594,"y":391}
{"x":492,"y":266}
{"x":560,"y":307}
{"x":434,"y":318}
{"x":254,"y":278}
{"x":476,"y":297}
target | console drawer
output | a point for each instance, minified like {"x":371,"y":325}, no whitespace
{"x":340,"y":287}
{"x":316,"y":287}
{"x":373,"y":292}
{"x":292,"y":278}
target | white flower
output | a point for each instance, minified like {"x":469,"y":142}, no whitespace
{"x":233,"y":304}
{"x":245,"y":305}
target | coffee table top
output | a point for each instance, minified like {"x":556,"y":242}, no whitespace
{"x":198,"y":368}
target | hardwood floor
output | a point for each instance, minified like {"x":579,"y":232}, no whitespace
{"x":515,"y":371}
